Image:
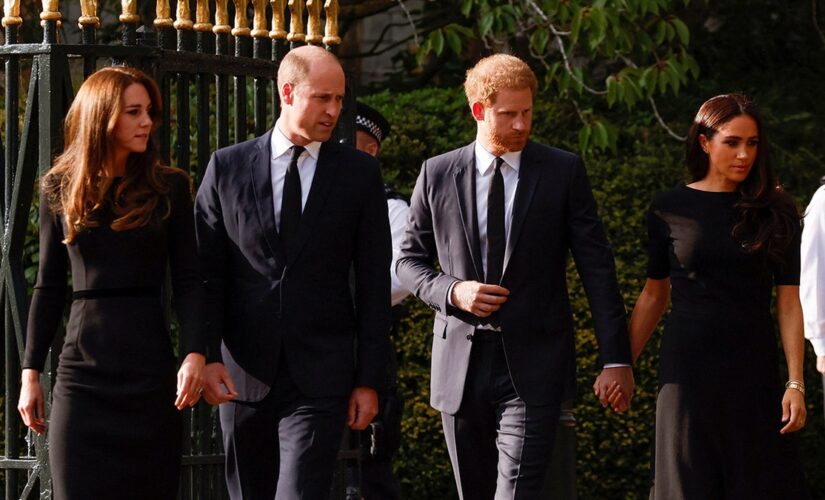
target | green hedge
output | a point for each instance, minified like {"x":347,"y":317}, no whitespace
{"x":613,"y":450}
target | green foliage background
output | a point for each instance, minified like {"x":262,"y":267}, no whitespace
{"x":613,"y":450}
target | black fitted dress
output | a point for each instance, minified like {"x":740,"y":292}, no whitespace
{"x":114,"y":432}
{"x":718,"y":412}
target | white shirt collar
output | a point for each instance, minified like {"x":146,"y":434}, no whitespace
{"x":280,"y":144}
{"x":484,"y":159}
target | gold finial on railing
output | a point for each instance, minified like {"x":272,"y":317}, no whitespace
{"x":259,"y":25}
{"x":51,"y":11}
{"x":183,"y":21}
{"x":331,"y":27}
{"x":296,"y":21}
{"x":11,"y":13}
{"x":129,"y":13}
{"x":202,"y":16}
{"x":221,"y":18}
{"x":314,"y":35}
{"x":241,"y":25}
{"x":278,"y":22}
{"x":88,"y":14}
{"x":163,"y":15}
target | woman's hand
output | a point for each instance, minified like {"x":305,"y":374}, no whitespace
{"x":793,"y":411}
{"x":190,"y":380}
{"x":31,"y":405}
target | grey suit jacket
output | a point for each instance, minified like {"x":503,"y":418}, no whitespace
{"x":554,"y":213}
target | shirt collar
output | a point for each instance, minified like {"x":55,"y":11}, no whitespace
{"x":484,"y":159}
{"x":280,"y":144}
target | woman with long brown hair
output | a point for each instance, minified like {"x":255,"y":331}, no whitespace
{"x":115,"y":217}
{"x":719,"y":247}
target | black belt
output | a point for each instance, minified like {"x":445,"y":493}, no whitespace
{"x":106,"y":293}
{"x":480,"y":335}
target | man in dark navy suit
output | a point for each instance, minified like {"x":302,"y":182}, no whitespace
{"x":501,"y":215}
{"x":294,"y":354}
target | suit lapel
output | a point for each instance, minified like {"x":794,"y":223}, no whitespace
{"x":261,"y":172}
{"x":528,"y":177}
{"x":321,"y":182}
{"x":464,"y":173}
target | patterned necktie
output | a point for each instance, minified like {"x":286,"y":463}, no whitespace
{"x":291,"y":201}
{"x":496,"y":237}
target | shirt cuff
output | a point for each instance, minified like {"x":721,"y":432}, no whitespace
{"x":615,"y":365}
{"x":450,"y":293}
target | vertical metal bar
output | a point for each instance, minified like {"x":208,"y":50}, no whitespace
{"x":241,"y":48}
{"x":279,"y":47}
{"x":204,"y":42}
{"x":88,"y":23}
{"x":222,"y":29}
{"x":261,"y":50}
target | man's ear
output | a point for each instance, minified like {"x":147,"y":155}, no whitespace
{"x":478,"y":111}
{"x":287,"y":93}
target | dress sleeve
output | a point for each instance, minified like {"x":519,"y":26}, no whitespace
{"x":658,"y":264}
{"x":187,"y":297}
{"x":788,"y":272}
{"x":49,"y":296}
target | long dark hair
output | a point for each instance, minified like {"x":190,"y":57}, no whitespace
{"x":768,"y":218}
{"x":76,"y":185}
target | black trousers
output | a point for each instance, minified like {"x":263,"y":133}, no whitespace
{"x":499,"y":446}
{"x":283,"y":447}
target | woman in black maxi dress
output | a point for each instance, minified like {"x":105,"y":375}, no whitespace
{"x":718,"y":247}
{"x":114,"y":429}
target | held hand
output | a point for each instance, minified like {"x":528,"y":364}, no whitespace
{"x":30,"y":405}
{"x":478,"y":298}
{"x":363,"y":407}
{"x":216,"y":379}
{"x":794,"y":413}
{"x":820,"y":364}
{"x":190,"y":380}
{"x":615,"y":387}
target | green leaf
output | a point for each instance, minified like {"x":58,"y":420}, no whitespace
{"x":599,"y":27}
{"x":485,"y":23}
{"x":584,"y":138}
{"x":682,"y":30}
{"x":453,"y":40}
{"x":467,"y":7}
{"x":599,"y":135}
{"x":612,"y":90}
{"x":539,"y":39}
{"x":661,"y":32}
{"x":437,"y":38}
{"x":576,"y":25}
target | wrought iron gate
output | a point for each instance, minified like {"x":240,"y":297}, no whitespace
{"x":193,"y":62}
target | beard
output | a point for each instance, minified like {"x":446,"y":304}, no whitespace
{"x":509,"y":142}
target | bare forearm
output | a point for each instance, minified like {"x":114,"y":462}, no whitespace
{"x":789,"y":317}
{"x":649,"y":309}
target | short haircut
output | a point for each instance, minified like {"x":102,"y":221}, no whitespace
{"x":495,"y":73}
{"x":296,"y":64}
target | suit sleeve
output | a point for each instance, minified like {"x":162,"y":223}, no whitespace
{"x":212,"y":258}
{"x":415,"y":267}
{"x":372,"y":257}
{"x":595,"y":265}
{"x":49,"y":296}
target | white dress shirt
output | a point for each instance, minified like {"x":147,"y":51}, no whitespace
{"x":812,"y":276}
{"x":281,"y":155}
{"x":398,"y":212}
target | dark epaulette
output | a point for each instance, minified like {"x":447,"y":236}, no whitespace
{"x":392,"y":194}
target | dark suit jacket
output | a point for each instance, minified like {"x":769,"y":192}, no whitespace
{"x":259,"y":302}
{"x":554,"y":212}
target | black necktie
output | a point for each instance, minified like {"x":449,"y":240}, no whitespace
{"x":496,"y":237}
{"x":291,"y":201}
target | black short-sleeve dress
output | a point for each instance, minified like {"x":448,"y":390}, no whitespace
{"x":114,"y":432}
{"x":718,"y":412}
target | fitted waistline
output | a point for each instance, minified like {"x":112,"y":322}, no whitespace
{"x":106,"y":293}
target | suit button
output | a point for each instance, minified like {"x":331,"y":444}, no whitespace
{"x":469,"y":336}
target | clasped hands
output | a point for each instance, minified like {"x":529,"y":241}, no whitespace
{"x":614,"y":387}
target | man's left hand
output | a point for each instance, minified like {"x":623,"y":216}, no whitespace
{"x":614,"y":387}
{"x":363,"y":407}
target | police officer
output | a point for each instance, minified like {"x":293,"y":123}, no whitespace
{"x":384,"y":435}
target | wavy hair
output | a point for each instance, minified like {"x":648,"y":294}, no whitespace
{"x":77,"y":184}
{"x":768,"y":218}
